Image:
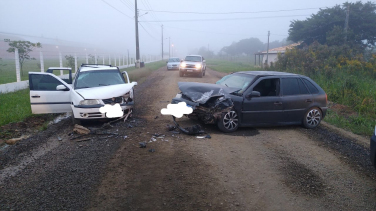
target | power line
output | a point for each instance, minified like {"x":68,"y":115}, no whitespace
{"x":147,"y":31}
{"x":127,"y":5}
{"x":223,"y":19}
{"x":227,"y":13}
{"x":117,"y":9}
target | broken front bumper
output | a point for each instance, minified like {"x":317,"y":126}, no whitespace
{"x":92,"y":111}
{"x":208,"y":112}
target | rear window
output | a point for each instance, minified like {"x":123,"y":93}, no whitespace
{"x":290,"y":86}
{"x":312,"y":88}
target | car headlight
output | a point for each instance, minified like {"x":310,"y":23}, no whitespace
{"x":198,"y":66}
{"x":375,"y":130}
{"x":183,"y":65}
{"x":90,"y":102}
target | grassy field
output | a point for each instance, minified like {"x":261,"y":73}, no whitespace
{"x":15,"y":106}
{"x":230,"y":66}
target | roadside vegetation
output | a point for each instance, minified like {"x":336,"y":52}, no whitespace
{"x":235,"y":65}
{"x":15,"y":106}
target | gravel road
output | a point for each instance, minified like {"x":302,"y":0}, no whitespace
{"x":266,"y":168}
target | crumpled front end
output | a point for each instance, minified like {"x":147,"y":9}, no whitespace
{"x":208,"y":101}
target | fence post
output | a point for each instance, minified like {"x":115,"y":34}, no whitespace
{"x":96,"y":61}
{"x":75,"y":62}
{"x":17,"y":60}
{"x":61,"y":63}
{"x":87,"y":59}
{"x":115,"y":60}
{"x":103,"y":60}
{"x":41,"y":61}
{"x":109,"y":59}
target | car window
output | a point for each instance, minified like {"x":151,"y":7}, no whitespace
{"x":240,"y":81}
{"x":312,"y":88}
{"x":44,"y":82}
{"x":268,"y":87}
{"x":193,"y":59}
{"x":96,"y":78}
{"x":303,"y":88}
{"x":290,"y":86}
{"x":174,"y":60}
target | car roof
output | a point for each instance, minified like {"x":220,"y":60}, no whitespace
{"x":94,"y":67}
{"x":59,"y":68}
{"x":267,"y":73}
{"x":195,"y":55}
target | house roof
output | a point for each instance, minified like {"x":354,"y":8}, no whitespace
{"x":282,"y":49}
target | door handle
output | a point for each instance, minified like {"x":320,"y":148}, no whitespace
{"x":308,"y":101}
{"x":36,"y":96}
{"x":277,"y":103}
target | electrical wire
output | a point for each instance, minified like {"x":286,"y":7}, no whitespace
{"x":116,"y":9}
{"x":148,"y":32}
{"x":223,"y":19}
{"x":227,"y":13}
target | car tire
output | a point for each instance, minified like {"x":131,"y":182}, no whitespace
{"x":200,"y":74}
{"x":181,"y":74}
{"x":204,"y":73}
{"x":229,"y":122}
{"x":312,"y":118}
{"x":75,"y":121}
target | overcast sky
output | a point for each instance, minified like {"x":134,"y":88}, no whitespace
{"x":110,"y":23}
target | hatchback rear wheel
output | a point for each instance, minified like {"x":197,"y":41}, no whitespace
{"x":312,"y":118}
{"x":229,"y":122}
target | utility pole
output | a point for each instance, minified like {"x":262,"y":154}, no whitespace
{"x":267,"y":50}
{"x":169,"y":47}
{"x":137,"y":41}
{"x":347,"y":21}
{"x":162,"y":41}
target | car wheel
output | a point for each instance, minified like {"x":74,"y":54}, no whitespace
{"x":312,"y":118}
{"x":204,"y":73}
{"x":229,"y":122}
{"x":75,"y":121}
{"x":200,"y":74}
{"x":181,"y":74}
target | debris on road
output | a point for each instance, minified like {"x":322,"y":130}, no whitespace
{"x":142,"y":144}
{"x":81,"y":129}
{"x":15,"y":140}
{"x":83,"y":139}
{"x":151,"y":150}
{"x":171,"y":127}
{"x":193,"y":130}
{"x":156,"y":117}
{"x":125,"y":137}
{"x":207,"y":136}
{"x":59,"y":138}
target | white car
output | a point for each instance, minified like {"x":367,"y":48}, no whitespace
{"x":94,"y":87}
{"x":193,"y":64}
{"x":173,"y":63}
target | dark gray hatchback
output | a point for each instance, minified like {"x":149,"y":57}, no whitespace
{"x":255,"y":98}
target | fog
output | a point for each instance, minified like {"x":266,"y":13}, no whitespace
{"x":109,"y":25}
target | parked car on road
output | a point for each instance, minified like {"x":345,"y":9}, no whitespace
{"x":173,"y":63}
{"x":255,"y":98}
{"x":94,"y":86}
{"x":193,"y":64}
{"x":373,"y":148}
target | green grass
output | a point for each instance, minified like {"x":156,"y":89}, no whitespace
{"x":15,"y":106}
{"x":230,"y":66}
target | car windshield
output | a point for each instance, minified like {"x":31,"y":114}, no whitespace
{"x":193,"y":59}
{"x":174,"y":60}
{"x":240,"y":81}
{"x":96,"y":78}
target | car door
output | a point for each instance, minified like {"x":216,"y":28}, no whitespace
{"x":44,"y":96}
{"x":266,"y":109}
{"x":296,"y":98}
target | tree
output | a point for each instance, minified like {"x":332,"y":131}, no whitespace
{"x":70,"y":61}
{"x":245,"y":46}
{"x":327,"y":26}
{"x":24,"y":49}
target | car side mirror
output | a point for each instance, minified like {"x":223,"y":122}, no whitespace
{"x":135,"y":83}
{"x":62,"y":88}
{"x":253,"y":94}
{"x":204,"y":60}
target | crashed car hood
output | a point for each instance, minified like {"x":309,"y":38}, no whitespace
{"x":105,"y":92}
{"x":202,"y":92}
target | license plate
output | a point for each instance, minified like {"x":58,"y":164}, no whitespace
{"x":189,"y":70}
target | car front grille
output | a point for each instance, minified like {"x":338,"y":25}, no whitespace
{"x":190,"y":66}
{"x":113,"y":100}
